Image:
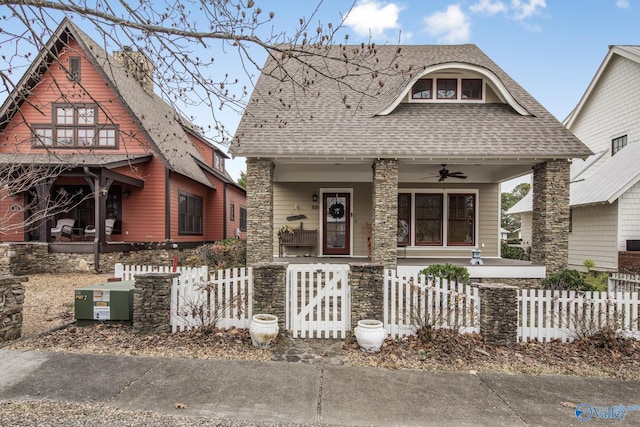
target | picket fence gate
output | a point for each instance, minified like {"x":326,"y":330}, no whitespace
{"x":318,"y":301}
{"x":411,"y":302}
{"x":546,"y":315}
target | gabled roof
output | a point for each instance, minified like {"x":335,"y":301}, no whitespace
{"x":166,"y":129}
{"x":605,"y":185}
{"x":630,"y":52}
{"x":609,"y":181}
{"x":285,"y":120}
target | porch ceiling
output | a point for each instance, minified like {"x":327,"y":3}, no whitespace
{"x":410,"y":171}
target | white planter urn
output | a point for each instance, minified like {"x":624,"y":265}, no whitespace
{"x":370,"y":335}
{"x":263,"y":330}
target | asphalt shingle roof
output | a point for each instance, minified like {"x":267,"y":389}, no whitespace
{"x":283,"y":120}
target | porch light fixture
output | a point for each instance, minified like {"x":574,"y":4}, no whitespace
{"x":126,"y":194}
{"x":314,"y":198}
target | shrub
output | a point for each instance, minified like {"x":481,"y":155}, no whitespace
{"x":570,"y":280}
{"x":456,"y":273}
{"x":229,"y":253}
{"x":514,"y":252}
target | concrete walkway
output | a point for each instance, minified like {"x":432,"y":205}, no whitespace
{"x":279,"y":392}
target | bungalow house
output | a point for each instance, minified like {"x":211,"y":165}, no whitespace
{"x":128,"y":158}
{"x":605,"y":188}
{"x":398,"y":153}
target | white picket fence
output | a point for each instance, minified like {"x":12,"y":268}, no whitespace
{"x":318,"y":301}
{"x":620,"y":282}
{"x":199,"y":298}
{"x":546,"y":315}
{"x":412,"y":301}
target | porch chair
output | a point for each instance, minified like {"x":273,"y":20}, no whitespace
{"x":90,"y":230}
{"x":63,"y":228}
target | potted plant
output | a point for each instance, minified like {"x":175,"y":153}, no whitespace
{"x":263,"y":330}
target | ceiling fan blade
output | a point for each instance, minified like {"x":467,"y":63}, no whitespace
{"x":458,"y":176}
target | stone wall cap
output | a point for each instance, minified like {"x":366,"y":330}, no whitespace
{"x":270,"y":264}
{"x":365,"y":264}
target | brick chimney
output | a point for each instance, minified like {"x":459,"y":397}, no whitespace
{"x":138,"y":66}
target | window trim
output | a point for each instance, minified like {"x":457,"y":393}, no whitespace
{"x":232,"y":211}
{"x":455,"y":89}
{"x":618,"y":144}
{"x":243,"y":218}
{"x":74,"y":127}
{"x":462,"y":81}
{"x":444,"y":227}
{"x":182,"y":223}
{"x":430,"y":89}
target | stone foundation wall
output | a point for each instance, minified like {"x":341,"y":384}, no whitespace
{"x":152,"y":303}
{"x":11,"y":302}
{"x":629,"y":262}
{"x":21,"y":259}
{"x":367,"y":294}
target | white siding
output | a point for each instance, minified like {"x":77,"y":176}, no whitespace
{"x":594,"y":237}
{"x":629,"y":216}
{"x":613,"y":108}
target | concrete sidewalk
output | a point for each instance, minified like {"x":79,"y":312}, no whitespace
{"x":311,"y":394}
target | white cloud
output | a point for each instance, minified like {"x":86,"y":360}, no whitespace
{"x":450,"y":26}
{"x":525,"y":9}
{"x":622,"y":4}
{"x":488,"y":7}
{"x":370,"y":17}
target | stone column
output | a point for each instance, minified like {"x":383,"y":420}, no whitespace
{"x":259,"y":211}
{"x":367,"y":293}
{"x":385,"y":213}
{"x":550,"y":224}
{"x":11,"y":302}
{"x":498,"y":313}
{"x":152,"y":303}
{"x":270,"y":290}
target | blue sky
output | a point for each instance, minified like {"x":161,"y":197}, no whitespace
{"x":551,"y":47}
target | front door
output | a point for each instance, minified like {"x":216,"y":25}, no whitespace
{"x":337,"y":224}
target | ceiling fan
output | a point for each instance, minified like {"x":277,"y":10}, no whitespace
{"x":444,"y":174}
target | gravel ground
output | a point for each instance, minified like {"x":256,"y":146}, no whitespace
{"x":49,"y":304}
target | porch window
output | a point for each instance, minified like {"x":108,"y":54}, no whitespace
{"x":74,"y":126}
{"x":404,"y":219}
{"x":447,"y":88}
{"x":437,"y":219}
{"x":189,"y":213}
{"x":428,"y":219}
{"x":243,"y":219}
{"x":461,"y":219}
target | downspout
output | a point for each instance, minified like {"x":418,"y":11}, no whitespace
{"x":224,"y":212}
{"x":96,"y":214}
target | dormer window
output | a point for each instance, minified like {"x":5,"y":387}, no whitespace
{"x":74,"y":68}
{"x":218,"y":162}
{"x":471,"y":89}
{"x":422,"y":89}
{"x":447,"y":88}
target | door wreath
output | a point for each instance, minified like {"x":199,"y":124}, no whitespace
{"x":336,"y":210}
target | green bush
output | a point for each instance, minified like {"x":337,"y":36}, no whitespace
{"x":229,"y":253}
{"x":455,"y":273}
{"x":514,"y":252}
{"x":570,"y":280}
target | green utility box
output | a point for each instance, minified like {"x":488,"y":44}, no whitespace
{"x":110,"y":302}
